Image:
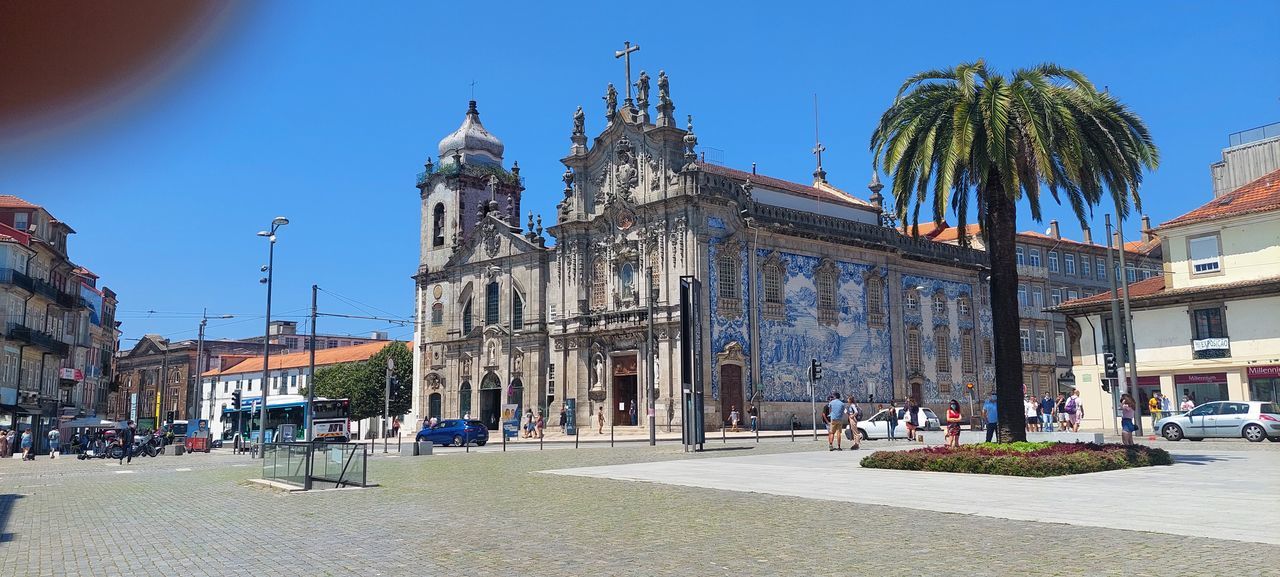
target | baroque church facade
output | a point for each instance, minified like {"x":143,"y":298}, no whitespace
{"x":789,"y":272}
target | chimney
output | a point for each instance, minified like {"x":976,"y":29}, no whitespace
{"x":1053,"y":230}
{"x":1115,"y":240}
{"x":1088,"y":235}
{"x":1147,"y":234}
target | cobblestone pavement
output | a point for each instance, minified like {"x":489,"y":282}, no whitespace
{"x":489,"y":512}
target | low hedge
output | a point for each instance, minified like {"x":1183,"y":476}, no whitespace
{"x":1021,"y":459}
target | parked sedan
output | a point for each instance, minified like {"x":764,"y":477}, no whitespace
{"x":455,"y":432}
{"x":1253,"y":420}
{"x":877,"y":427}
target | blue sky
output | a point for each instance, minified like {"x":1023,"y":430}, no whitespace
{"x":325,"y":112}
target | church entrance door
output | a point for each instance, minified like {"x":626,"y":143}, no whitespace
{"x":730,"y":391}
{"x":917,"y":391}
{"x":625,"y":390}
{"x":433,"y":405}
{"x":490,"y":401}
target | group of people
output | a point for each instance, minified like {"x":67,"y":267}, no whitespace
{"x":1044,"y":414}
{"x":12,"y":442}
{"x":735,"y":418}
{"x":533,"y":425}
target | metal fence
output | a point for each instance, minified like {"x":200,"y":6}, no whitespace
{"x":332,"y":464}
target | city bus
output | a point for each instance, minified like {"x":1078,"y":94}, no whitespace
{"x":286,"y":417}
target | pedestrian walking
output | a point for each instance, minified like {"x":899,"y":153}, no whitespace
{"x":28,"y":453}
{"x":854,"y":414}
{"x":13,"y":442}
{"x":1075,"y":410}
{"x":754,"y":415}
{"x":989,"y":411}
{"x":395,"y":428}
{"x":1153,"y":405}
{"x":1126,"y":419}
{"x":600,"y":420}
{"x":631,"y":412}
{"x":734,"y":419}
{"x":1046,"y":413}
{"x":836,"y":416}
{"x":564,"y":419}
{"x":540,"y":425}
{"x":953,"y":424}
{"x":1060,"y":412}
{"x":126,"y":442}
{"x":1029,"y":408}
{"x":4,"y":444}
{"x":55,"y":442}
{"x":893,"y":421}
{"x":913,"y":418}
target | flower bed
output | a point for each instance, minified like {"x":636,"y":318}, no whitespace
{"x":1021,"y":459}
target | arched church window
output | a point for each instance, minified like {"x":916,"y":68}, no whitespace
{"x":939,"y":304}
{"x":627,"y":281}
{"x":437,"y":314}
{"x":911,"y":300}
{"x":913,"y":350}
{"x":466,"y":318}
{"x":491,"y":305}
{"x":966,"y":352}
{"x":942,"y":344}
{"x":598,"y":280}
{"x":728,"y":272}
{"x":875,"y":301}
{"x":437,"y":225}
{"x":826,"y":281}
{"x":517,"y":311}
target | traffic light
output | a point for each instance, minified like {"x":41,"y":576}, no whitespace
{"x":1109,"y":363}
{"x":235,"y":399}
{"x":169,"y":416}
{"x":815,"y":369}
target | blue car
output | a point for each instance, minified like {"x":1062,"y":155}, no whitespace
{"x":455,"y":432}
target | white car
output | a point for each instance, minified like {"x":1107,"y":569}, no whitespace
{"x":1253,"y":420}
{"x":877,"y":427}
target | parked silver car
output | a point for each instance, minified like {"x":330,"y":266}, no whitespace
{"x":1253,"y":420}
{"x":877,"y":427}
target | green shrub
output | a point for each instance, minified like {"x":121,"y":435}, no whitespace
{"x":1021,"y":459}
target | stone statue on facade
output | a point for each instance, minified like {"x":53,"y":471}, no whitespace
{"x":664,"y":90}
{"x":610,"y":103}
{"x":666,"y":110}
{"x":642,"y":89}
{"x":599,"y":371}
{"x":579,"y":122}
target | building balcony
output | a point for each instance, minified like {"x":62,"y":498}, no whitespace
{"x":1031,"y":312}
{"x":1218,"y":348}
{"x":614,"y":319}
{"x":1038,"y":358}
{"x":1032,"y":271}
{"x":12,"y":277}
{"x":46,"y":341}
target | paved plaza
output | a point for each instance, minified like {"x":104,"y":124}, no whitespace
{"x":490,"y":512}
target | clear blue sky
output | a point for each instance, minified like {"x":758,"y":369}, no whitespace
{"x":324,"y":112}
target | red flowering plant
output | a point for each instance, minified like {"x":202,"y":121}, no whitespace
{"x":1021,"y":459}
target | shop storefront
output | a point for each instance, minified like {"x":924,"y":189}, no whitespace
{"x":1264,"y":383}
{"x":1147,"y":387}
{"x":1202,"y":387}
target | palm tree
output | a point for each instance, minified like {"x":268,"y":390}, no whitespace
{"x":966,"y":136}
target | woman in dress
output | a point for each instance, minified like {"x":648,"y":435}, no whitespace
{"x":1127,"y":426}
{"x":953,"y":424}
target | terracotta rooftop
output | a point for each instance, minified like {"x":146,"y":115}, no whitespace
{"x":1261,"y":195}
{"x":324,"y":357}
{"x":1154,"y":287}
{"x":826,"y":193}
{"x":84,"y":272}
{"x":11,"y":201}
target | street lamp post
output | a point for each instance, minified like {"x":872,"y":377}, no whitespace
{"x":276,"y":223}
{"x":200,"y":366}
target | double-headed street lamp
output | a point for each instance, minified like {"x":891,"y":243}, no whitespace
{"x":276,"y":223}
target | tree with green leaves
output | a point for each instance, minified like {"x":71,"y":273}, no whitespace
{"x":364,"y":382}
{"x":967,"y":136}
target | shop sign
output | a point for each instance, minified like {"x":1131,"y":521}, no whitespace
{"x":1264,"y":372}
{"x":1199,"y":379}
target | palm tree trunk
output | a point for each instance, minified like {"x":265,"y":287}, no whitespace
{"x":1001,"y":229}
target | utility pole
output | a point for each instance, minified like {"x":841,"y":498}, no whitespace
{"x":650,"y":390}
{"x":204,"y":320}
{"x":1117,"y":348}
{"x":309,"y":431}
{"x":1131,"y":351}
{"x":386,"y":401}
{"x":161,"y":383}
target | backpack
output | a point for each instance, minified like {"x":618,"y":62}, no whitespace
{"x":1071,"y":404}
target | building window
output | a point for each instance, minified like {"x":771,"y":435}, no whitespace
{"x":1060,"y":343}
{"x":728,"y":281}
{"x":1024,"y":338}
{"x":20,"y":221}
{"x":826,"y":278}
{"x":333,"y":343}
{"x":491,"y":303}
{"x":1053,"y":261}
{"x":942,"y":343}
{"x":517,"y":311}
{"x":466,"y":318}
{"x":464,"y":399}
{"x":1022,"y":295}
{"x":913,"y":350}
{"x":988,"y":352}
{"x":1055,"y":296}
{"x":291,"y":343}
{"x":437,"y":314}
{"x":1205,"y":254}
{"x":437,"y":225}
{"x":1209,"y":323}
{"x":962,"y":307}
{"x":1042,"y":344}
{"x":1146,"y":274}
{"x":1131,"y":274}
{"x":966,"y":352}
{"x":939,"y":305}
{"x":627,"y":281}
{"x":1037,"y":298}
{"x":598,"y":280}
{"x":1035,"y":257}
{"x":1086,"y":268}
{"x":1069,"y":263}
{"x":875,"y":302}
{"x":1102,"y":269}
{"x":772,"y":285}
{"x":1073,"y":294}
{"x":1020,"y":256}
{"x":911,"y":300}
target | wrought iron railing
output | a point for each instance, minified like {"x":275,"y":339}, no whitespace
{"x":20,"y":332}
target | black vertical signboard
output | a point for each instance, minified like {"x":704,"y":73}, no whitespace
{"x":693,"y":431}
